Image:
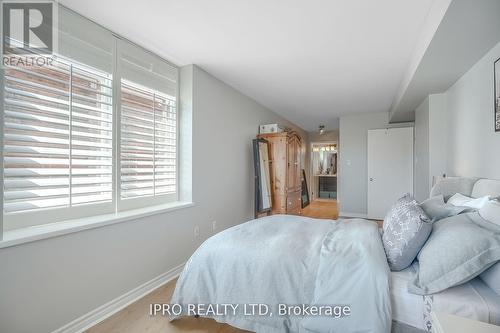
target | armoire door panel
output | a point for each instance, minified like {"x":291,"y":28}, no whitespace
{"x":279,"y":204}
{"x":293,"y":202}
{"x":285,"y":172}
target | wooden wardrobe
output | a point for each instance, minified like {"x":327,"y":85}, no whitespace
{"x":285,"y":169}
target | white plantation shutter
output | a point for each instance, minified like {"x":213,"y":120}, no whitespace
{"x":137,"y":142}
{"x":94,"y":133}
{"x":57,"y":137}
{"x":91,"y":137}
{"x":36,"y":137}
{"x":148,"y":143}
{"x":148,"y":152}
{"x":165,"y":145}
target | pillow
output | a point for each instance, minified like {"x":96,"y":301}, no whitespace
{"x":459,"y":248}
{"x":406,"y":228}
{"x":438,"y":199}
{"x":491,"y":212}
{"x":491,"y":277}
{"x":436,"y":209}
{"x":463,"y":200}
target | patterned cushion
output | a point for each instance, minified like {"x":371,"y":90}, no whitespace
{"x":406,"y":228}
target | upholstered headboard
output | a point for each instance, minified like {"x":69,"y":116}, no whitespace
{"x":472,"y":187}
{"x":485,"y":186}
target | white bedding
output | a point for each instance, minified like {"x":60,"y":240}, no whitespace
{"x":297,"y":260}
{"x":292,"y":260}
{"x":471,"y":300}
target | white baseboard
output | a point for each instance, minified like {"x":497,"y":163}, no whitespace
{"x":355,"y":215}
{"x":95,"y":316}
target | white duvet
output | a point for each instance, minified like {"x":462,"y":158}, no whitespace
{"x":287,"y":267}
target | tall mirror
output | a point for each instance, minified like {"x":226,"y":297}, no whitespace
{"x":263,"y":202}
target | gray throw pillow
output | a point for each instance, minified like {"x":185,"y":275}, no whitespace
{"x":436,"y":209}
{"x":406,"y":228}
{"x":459,"y":248}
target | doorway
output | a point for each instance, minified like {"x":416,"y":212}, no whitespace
{"x":390,"y":168}
{"x":323,"y":178}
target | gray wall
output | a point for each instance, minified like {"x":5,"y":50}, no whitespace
{"x":48,"y":283}
{"x":422,"y":170}
{"x":430,"y":144}
{"x":472,"y":144}
{"x":328,"y":136}
{"x":352,"y":163}
{"x":438,"y":126}
{"x":460,"y":127}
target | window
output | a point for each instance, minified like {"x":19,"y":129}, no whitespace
{"x":148,"y":142}
{"x":148,"y":128}
{"x":94,"y":133}
{"x":57,"y":137}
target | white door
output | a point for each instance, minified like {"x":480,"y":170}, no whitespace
{"x":390,"y":168}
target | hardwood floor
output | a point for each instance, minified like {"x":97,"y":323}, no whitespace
{"x":326,"y":209}
{"x":322,"y":209}
{"x":135,"y":318}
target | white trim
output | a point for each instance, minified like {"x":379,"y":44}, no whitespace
{"x":116,"y":100}
{"x":31,"y":234}
{"x":107,"y":310}
{"x":143,"y":201}
{"x":354,"y":215}
{"x":43,"y":216}
{"x":2,"y":88}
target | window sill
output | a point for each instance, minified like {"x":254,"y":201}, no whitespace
{"x":31,"y":234}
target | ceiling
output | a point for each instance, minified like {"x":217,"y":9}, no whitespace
{"x":310,"y":61}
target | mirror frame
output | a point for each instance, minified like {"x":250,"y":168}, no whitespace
{"x":304,"y":191}
{"x":258,"y":189}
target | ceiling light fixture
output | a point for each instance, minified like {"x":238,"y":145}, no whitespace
{"x":321,"y":129}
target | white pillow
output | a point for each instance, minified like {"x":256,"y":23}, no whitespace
{"x":491,"y":212}
{"x":465,"y":201}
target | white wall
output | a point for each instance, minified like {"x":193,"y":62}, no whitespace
{"x":48,"y":283}
{"x":473,"y":147}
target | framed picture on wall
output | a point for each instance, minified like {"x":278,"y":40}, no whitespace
{"x":497,"y":95}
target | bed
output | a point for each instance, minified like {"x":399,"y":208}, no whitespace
{"x":295,"y":260}
{"x":292,"y":261}
{"x":472,"y":300}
